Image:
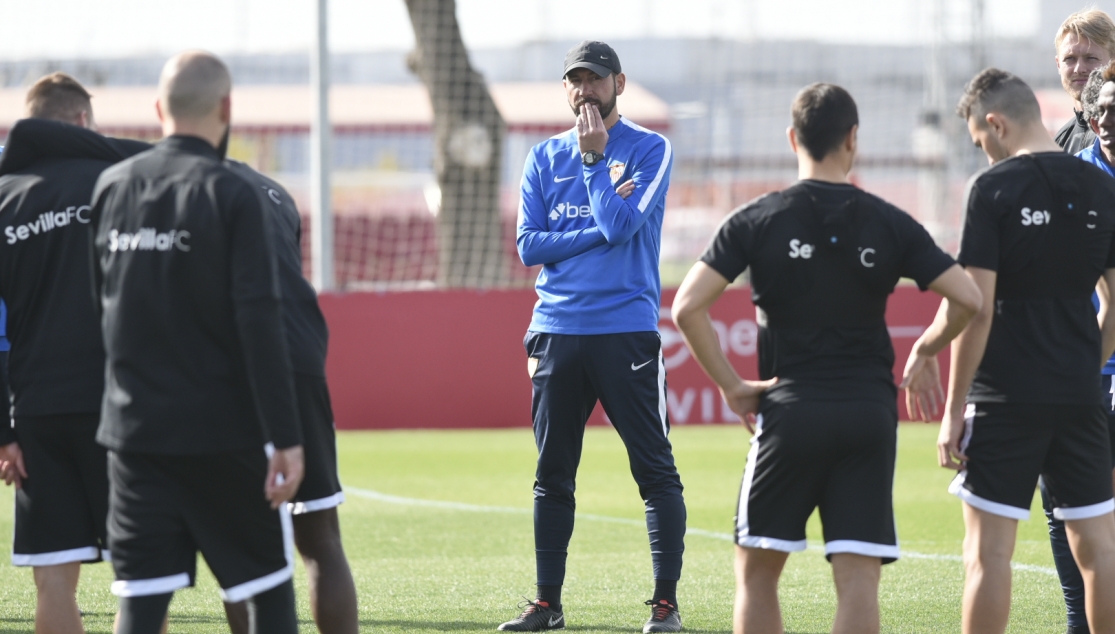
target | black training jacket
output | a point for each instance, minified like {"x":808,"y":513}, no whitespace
{"x":47,"y":173}
{"x":307,"y":333}
{"x":194,"y":337}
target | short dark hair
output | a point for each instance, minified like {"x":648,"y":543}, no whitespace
{"x":823,"y":114}
{"x":995,"y":90}
{"x":58,"y":97}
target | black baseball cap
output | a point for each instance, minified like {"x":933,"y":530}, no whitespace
{"x":595,"y":56}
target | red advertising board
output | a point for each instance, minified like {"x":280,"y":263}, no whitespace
{"x":445,"y":359}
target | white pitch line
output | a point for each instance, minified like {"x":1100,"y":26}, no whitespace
{"x":476,"y":508}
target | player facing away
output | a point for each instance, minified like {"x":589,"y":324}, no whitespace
{"x":197,"y":372}
{"x":594,"y":333}
{"x":1084,"y":42}
{"x":824,"y":256}
{"x":317,"y":529}
{"x":1023,"y":395}
{"x":47,"y":174}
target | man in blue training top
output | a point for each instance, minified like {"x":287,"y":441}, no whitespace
{"x":5,"y":347}
{"x":594,"y":333}
{"x":1098,"y":109}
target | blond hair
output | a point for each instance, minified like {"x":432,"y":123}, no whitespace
{"x":1091,"y":24}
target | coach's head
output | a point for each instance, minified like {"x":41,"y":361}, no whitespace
{"x":593,"y":76}
{"x":59,"y":97}
{"x":823,"y":135}
{"x":194,"y":97}
{"x":1085,"y":42}
{"x":1002,"y":113}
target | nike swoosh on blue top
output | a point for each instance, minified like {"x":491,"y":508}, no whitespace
{"x":563,"y":179}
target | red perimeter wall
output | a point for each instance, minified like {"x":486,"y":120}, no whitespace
{"x":442,"y":359}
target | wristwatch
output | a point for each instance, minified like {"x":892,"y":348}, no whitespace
{"x":592,"y":157}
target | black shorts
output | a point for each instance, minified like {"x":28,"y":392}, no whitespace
{"x":163,"y":509}
{"x":1010,"y":445}
{"x":836,"y":456}
{"x":321,"y":487}
{"x":60,"y":510}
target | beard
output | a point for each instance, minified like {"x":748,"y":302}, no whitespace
{"x":604,"y":108}
{"x":222,"y":147}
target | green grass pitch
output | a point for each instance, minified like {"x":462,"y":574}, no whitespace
{"x":463,"y":566}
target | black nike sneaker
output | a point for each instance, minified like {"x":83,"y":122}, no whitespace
{"x":663,"y":617}
{"x":538,"y":616}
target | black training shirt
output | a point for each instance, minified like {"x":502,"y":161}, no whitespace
{"x":196,"y":351}
{"x":1045,"y":223}
{"x":47,"y":174}
{"x":824,"y":258}
{"x":307,"y":333}
{"x":1076,"y":134}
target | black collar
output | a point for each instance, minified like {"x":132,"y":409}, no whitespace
{"x":190,"y":145}
{"x":1081,"y":122}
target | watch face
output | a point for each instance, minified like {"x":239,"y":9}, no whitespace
{"x":591,"y":158}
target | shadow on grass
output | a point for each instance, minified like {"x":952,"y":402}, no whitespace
{"x":17,"y":626}
{"x":452,"y":626}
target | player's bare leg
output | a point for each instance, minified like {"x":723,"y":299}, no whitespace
{"x":56,"y":609}
{"x":332,"y":591}
{"x":237,"y":614}
{"x":988,"y":546}
{"x":857,"y":593}
{"x":1093,"y":546}
{"x":757,"y":573}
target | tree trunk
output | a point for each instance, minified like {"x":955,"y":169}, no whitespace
{"x":468,"y":144}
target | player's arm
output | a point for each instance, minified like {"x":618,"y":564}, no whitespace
{"x":535,"y":242}
{"x":967,"y":352}
{"x":922,"y":377}
{"x":256,"y":302}
{"x":703,"y":285}
{"x":617,"y":217}
{"x":1106,"y":316}
{"x":12,"y":470}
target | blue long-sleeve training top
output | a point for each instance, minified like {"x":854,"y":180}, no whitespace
{"x":1094,"y":155}
{"x":599,"y":251}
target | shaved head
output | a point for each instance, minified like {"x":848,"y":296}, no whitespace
{"x":193,"y":85}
